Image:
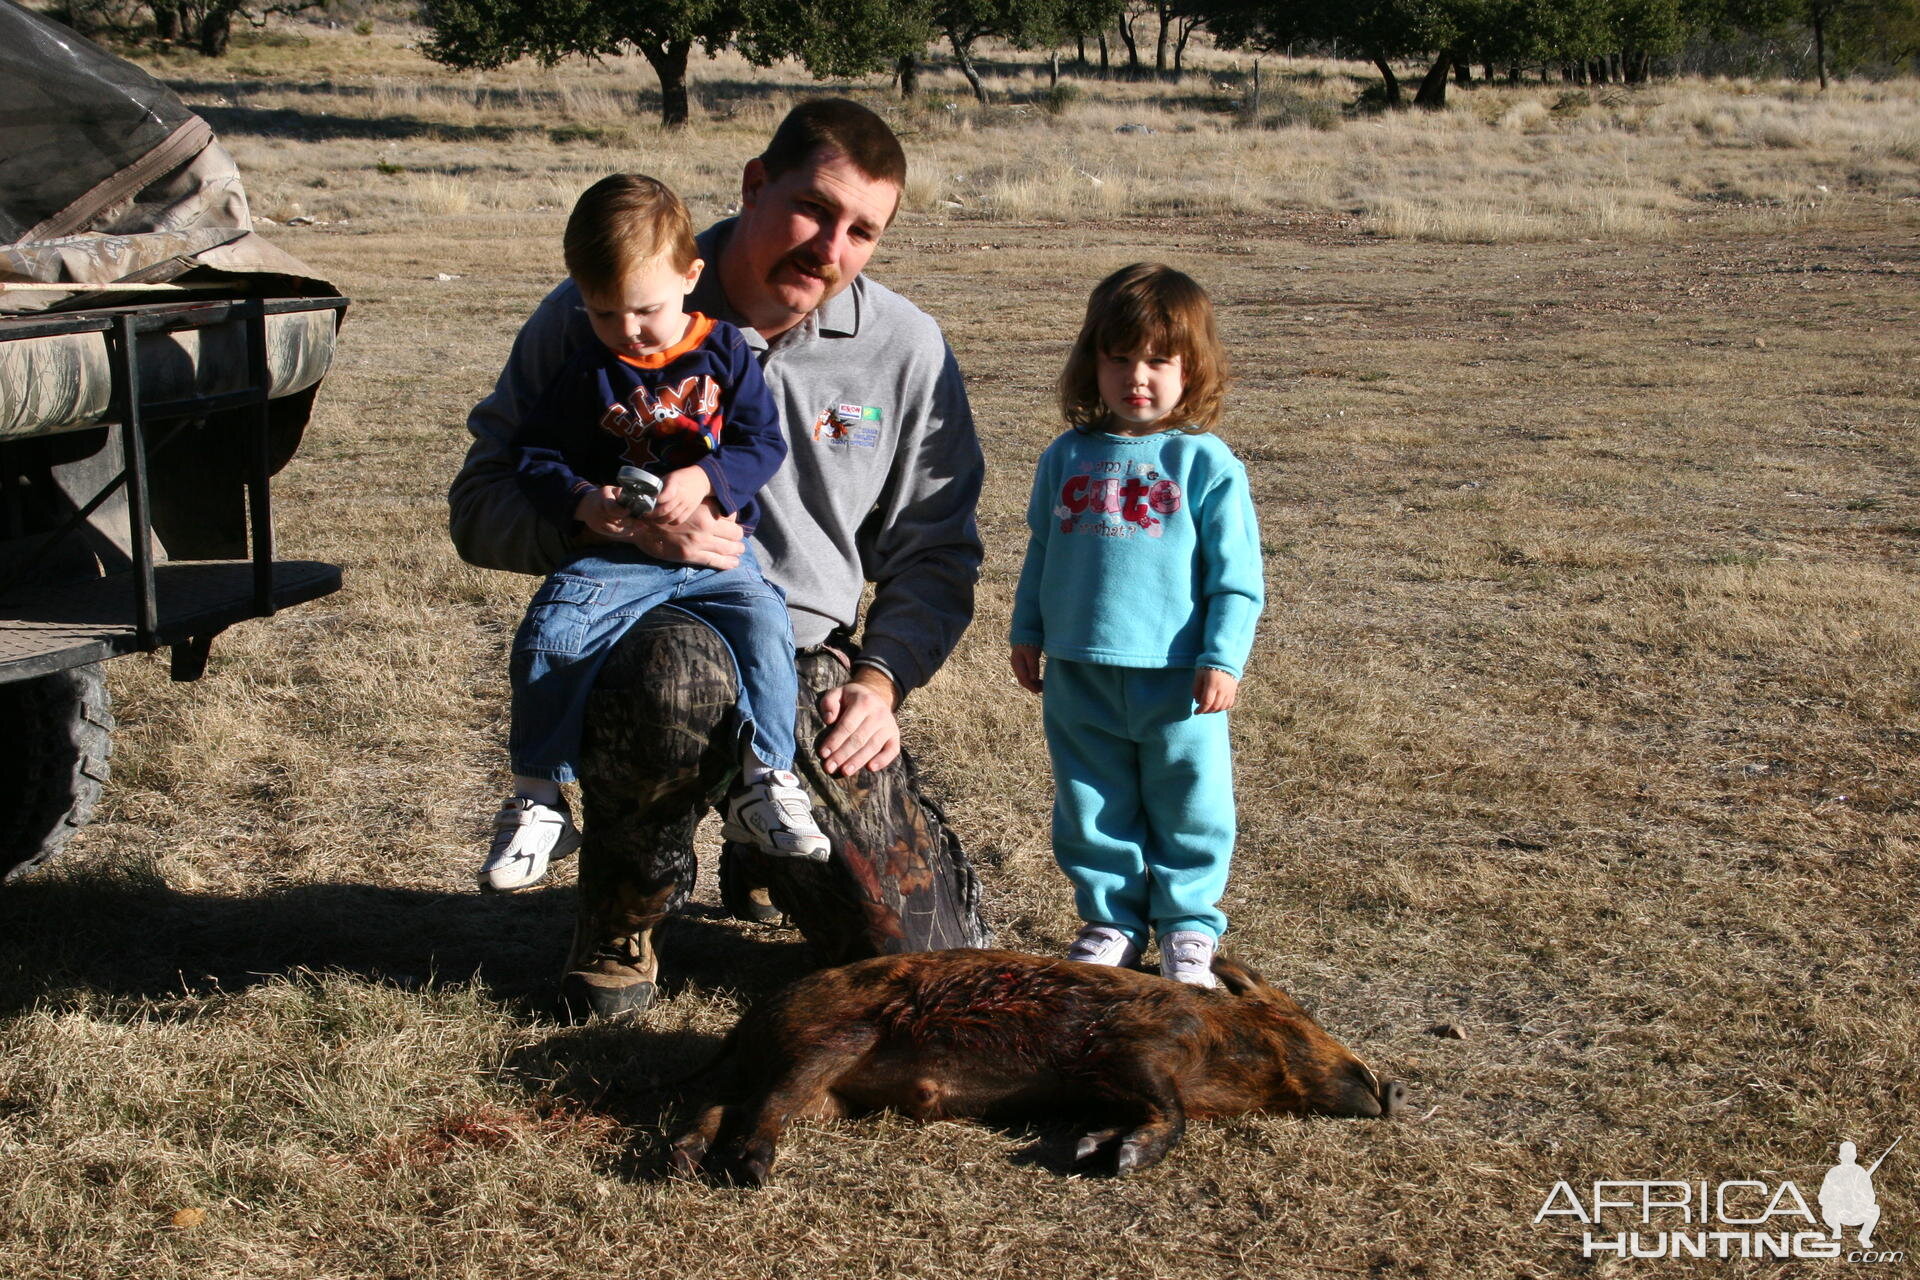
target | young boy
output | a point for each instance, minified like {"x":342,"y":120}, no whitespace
{"x":678,"y":396}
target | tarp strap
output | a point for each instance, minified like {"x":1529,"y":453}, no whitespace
{"x":180,"y":146}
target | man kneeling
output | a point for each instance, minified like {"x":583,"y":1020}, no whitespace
{"x":880,"y":485}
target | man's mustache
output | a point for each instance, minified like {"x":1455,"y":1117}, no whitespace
{"x":826,"y":272}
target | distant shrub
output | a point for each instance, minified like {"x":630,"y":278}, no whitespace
{"x":1059,"y":97}
{"x":1294,"y":109}
{"x":1524,"y":117}
{"x":585,"y":131}
{"x":1571,"y":103}
{"x":1371,"y":102}
{"x":98,"y":19}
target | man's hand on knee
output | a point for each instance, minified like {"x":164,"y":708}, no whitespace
{"x":862,"y":732}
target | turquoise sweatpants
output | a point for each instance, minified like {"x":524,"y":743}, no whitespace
{"x":1143,"y":818}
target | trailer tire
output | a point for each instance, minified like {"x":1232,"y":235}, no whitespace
{"x":53,"y":762}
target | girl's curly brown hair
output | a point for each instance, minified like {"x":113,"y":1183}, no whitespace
{"x":1153,"y":308}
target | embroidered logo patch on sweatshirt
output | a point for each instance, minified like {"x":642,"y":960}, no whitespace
{"x":849,"y":424}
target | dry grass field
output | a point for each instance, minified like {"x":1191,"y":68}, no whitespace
{"x":1584,"y":430}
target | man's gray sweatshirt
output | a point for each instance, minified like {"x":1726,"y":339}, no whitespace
{"x":880,"y":485}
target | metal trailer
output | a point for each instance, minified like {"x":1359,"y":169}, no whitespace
{"x":158,"y":365}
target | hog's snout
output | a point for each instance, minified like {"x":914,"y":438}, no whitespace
{"x":1356,"y":1092}
{"x":1349,"y":1091}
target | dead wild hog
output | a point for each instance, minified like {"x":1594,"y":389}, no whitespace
{"x":1001,"y":1035}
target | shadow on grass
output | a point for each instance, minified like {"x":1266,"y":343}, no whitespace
{"x":123,"y":933}
{"x":647,"y":1080}
{"x":234,"y":116}
{"x":320,"y":126}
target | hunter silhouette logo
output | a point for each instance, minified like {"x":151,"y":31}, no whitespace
{"x":1738,"y":1218}
{"x":1846,"y":1194}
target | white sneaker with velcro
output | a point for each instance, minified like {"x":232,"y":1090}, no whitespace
{"x":1104,"y":944}
{"x":527,"y":837}
{"x":776,"y":816}
{"x":1186,"y":955}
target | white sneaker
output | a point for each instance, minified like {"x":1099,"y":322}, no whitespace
{"x":1186,"y":955}
{"x":527,"y":837}
{"x":776,"y":816}
{"x":1104,"y":944}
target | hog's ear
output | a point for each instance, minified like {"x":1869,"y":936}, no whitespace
{"x":1236,"y":977}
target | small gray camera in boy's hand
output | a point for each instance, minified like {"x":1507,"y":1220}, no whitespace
{"x":639,"y":491}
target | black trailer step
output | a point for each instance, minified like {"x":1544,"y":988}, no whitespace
{"x":45,"y":630}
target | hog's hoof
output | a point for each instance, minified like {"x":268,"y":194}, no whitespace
{"x":687,"y":1161}
{"x":1133,"y":1157}
{"x":587,"y":995}
{"x":751,"y":1165}
{"x":1144,"y":1148}
{"x":1091,"y":1145}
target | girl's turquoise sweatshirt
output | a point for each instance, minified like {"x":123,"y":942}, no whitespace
{"x":1145,"y":553}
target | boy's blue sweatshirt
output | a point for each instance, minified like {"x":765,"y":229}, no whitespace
{"x":701,"y":402}
{"x":1145,"y":553}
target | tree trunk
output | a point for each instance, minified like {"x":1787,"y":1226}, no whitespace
{"x":1133,"y":48}
{"x":166,"y":19}
{"x":1819,"y":16}
{"x":216,"y":29}
{"x":1160,"y":41}
{"x":908,"y":69}
{"x":1392,"y":81}
{"x":1180,"y":49}
{"x":961,"y":56}
{"x":1433,"y":87}
{"x":1106,"y":66}
{"x":1080,"y":43}
{"x":669,"y":63}
{"x":1463,"y":74}
{"x":1053,"y":68}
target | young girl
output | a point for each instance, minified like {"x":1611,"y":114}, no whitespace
{"x":1141,"y":586}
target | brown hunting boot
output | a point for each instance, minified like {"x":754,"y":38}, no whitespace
{"x":617,"y":977}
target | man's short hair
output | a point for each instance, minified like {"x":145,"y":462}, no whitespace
{"x":842,"y":125}
{"x":620,"y":224}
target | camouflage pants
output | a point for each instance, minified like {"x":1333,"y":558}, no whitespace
{"x":660,"y":742}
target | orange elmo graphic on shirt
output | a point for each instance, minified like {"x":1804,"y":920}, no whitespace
{"x":668,"y":427}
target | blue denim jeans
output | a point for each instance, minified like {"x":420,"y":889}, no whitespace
{"x":582,"y":610}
